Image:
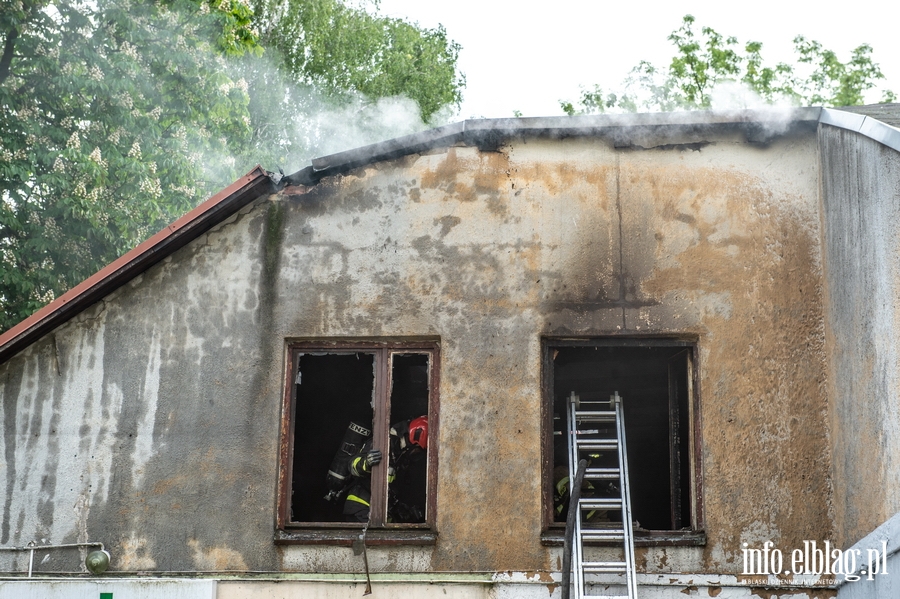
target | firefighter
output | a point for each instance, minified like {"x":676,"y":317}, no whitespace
{"x":407,"y":439}
{"x":561,"y":495}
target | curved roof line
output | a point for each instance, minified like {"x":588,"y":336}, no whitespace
{"x":624,"y":129}
{"x":864,"y":125}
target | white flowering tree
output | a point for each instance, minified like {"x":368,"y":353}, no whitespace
{"x":107,"y":110}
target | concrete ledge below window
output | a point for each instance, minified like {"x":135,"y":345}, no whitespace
{"x":346,"y":537}
{"x":556,"y":537}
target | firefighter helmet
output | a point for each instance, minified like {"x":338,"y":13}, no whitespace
{"x":418,"y":432}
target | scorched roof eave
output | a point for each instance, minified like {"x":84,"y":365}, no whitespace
{"x":763,"y":125}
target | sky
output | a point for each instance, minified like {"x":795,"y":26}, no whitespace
{"x":526,"y":57}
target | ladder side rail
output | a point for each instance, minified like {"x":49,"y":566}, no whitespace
{"x":627,"y":522}
{"x":580,"y":582}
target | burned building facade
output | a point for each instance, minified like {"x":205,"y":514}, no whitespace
{"x":732,"y":277}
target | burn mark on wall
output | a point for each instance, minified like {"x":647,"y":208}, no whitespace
{"x":447,"y":223}
{"x":598,"y":295}
{"x":686,"y":147}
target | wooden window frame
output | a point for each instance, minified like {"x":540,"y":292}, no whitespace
{"x":379,"y":531}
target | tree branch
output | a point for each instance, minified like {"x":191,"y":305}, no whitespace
{"x":6,"y":59}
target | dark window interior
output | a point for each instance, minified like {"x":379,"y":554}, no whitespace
{"x":654,"y":385}
{"x":334,"y":390}
{"x":409,"y":399}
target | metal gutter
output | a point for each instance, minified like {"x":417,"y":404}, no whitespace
{"x":888,"y":113}
{"x":277,"y":577}
{"x":864,"y":125}
{"x":175,"y":236}
{"x":759,"y":126}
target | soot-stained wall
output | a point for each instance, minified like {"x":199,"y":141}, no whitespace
{"x":151,"y":421}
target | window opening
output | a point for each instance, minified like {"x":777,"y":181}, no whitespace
{"x":655,"y":384}
{"x":334,"y":390}
{"x":345,"y":402}
{"x":408,"y":482}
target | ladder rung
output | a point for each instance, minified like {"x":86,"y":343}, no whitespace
{"x":602,"y":473}
{"x":600,"y":503}
{"x":596,"y":416}
{"x":604,"y":567}
{"x":596,"y":444}
{"x":602,"y":535}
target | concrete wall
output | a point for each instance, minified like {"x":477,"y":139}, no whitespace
{"x":120,"y":589}
{"x":879,"y":562}
{"x":150,"y":422}
{"x":861,"y":208}
{"x":443,"y":586}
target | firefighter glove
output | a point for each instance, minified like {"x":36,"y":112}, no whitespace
{"x":372,"y":458}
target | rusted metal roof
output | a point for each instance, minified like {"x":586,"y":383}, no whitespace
{"x":175,"y":236}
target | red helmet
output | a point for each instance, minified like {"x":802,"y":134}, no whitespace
{"x":418,"y":431}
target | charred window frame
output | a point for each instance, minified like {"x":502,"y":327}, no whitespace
{"x":658,"y":381}
{"x":374,"y":383}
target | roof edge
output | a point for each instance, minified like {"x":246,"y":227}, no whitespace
{"x":161,"y":245}
{"x":762,"y":125}
{"x":864,"y":125}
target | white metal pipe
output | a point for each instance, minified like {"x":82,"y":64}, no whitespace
{"x":32,"y":547}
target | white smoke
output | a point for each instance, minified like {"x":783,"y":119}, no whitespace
{"x":334,"y":129}
{"x":733,"y":96}
{"x":294,"y":122}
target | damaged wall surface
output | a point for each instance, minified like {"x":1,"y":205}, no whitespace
{"x":153,"y":416}
{"x":153,"y":420}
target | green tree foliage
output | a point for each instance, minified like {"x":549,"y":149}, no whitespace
{"x":341,"y":48}
{"x":336,"y":75}
{"x":708,"y":60}
{"x":104,"y":108}
{"x":117,"y":116}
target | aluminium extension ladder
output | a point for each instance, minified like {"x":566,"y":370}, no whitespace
{"x":586,"y":438}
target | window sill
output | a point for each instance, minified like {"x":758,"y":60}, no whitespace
{"x":659,"y":538}
{"x":346,"y":537}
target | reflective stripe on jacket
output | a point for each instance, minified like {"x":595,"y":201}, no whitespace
{"x":357,"y":499}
